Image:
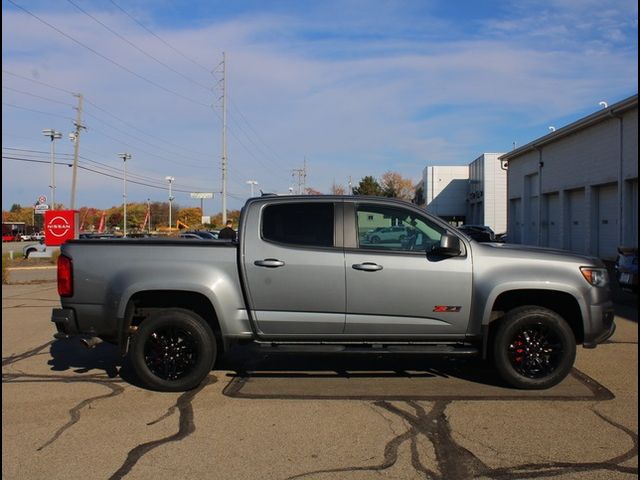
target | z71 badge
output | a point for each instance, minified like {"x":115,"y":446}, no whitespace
{"x":446,"y":308}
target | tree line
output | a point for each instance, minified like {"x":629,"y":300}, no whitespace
{"x":390,"y":184}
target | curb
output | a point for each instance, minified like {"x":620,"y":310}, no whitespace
{"x":13,"y":269}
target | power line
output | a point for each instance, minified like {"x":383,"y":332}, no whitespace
{"x":37,"y":81}
{"x":36,"y":111}
{"x":40,"y":153}
{"x":98,"y":107}
{"x":130,"y":125}
{"x":161,"y":39}
{"x":110,"y":60}
{"x":38,"y":96}
{"x":276,"y":157}
{"x":120,"y":178}
{"x":138,"y":48}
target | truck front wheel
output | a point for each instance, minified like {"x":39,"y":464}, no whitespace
{"x":173,"y":350}
{"x":534,"y":348}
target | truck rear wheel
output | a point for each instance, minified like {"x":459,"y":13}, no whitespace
{"x":534,"y":348}
{"x":173,"y":350}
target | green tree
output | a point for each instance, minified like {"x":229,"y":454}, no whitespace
{"x":368,"y":186}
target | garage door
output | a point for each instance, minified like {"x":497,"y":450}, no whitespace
{"x":576,"y":221}
{"x":607,"y":226}
{"x":551,"y":221}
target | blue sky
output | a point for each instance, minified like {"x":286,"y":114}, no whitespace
{"x":354,"y":88}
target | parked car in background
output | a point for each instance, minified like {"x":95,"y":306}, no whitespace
{"x":480,"y":233}
{"x":87,"y":236}
{"x":23,"y":237}
{"x":387,"y":234}
{"x":190,"y":235}
{"x":37,"y":236}
{"x":204,"y":234}
{"x":27,"y":250}
{"x":502,"y":237}
{"x":626,"y":268}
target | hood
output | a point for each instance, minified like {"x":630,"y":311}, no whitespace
{"x":510,"y":249}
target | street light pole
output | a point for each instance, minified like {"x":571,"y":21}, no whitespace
{"x":149,"y":213}
{"x":170,"y":180}
{"x":125,"y":157}
{"x":252,"y":183}
{"x":53,"y":135}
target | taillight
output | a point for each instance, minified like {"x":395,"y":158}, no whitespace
{"x":65,"y":276}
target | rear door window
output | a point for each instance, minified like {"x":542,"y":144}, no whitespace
{"x":309,"y":224}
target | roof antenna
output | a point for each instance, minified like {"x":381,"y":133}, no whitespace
{"x":603,"y":104}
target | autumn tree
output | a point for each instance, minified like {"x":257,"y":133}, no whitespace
{"x":368,"y":186}
{"x":395,"y":186}
{"x":191,"y":216}
{"x":337,"y":189}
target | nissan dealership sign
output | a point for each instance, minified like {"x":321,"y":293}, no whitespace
{"x":60,"y":226}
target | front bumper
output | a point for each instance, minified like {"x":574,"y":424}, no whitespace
{"x":603,"y":326}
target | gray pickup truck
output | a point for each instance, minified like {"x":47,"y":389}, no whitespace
{"x":305,"y":275}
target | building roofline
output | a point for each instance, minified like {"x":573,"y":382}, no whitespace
{"x":597,"y":117}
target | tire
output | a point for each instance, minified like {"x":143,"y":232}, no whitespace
{"x":375,"y":239}
{"x":534,"y":348}
{"x":28,"y":252}
{"x":173,"y":350}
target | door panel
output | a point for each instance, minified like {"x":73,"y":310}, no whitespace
{"x":297,"y":288}
{"x":400,"y":299}
{"x":399,"y":288}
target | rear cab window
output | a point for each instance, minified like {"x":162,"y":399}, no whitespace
{"x":306,"y":224}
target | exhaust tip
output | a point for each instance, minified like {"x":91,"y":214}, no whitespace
{"x":91,"y":342}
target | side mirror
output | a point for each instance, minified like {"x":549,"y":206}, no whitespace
{"x":449,"y":246}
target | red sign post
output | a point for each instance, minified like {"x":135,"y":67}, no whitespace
{"x":60,"y":226}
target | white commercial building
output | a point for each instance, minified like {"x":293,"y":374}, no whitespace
{"x":474,"y":194}
{"x":487,"y":198}
{"x":577,"y":187}
{"x":445,"y":191}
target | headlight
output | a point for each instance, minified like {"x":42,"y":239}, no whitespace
{"x":598,"y":277}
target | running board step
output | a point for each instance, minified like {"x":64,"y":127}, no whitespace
{"x":374,"y":349}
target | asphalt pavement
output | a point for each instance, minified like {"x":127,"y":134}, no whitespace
{"x":73,"y":413}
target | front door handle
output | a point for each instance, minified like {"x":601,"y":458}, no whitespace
{"x":269,"y":263}
{"x":367,"y":267}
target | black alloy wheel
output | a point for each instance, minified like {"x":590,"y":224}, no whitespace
{"x":535,"y":351}
{"x":534,"y":348}
{"x":170,"y":353}
{"x":173,"y":350}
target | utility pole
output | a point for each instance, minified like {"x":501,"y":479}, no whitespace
{"x":149,"y":213}
{"x":224,"y":139}
{"x":170,"y":180}
{"x":125,"y":157}
{"x":75,"y":138}
{"x":302,"y":177}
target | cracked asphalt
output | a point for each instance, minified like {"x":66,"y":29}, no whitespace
{"x":73,"y":413}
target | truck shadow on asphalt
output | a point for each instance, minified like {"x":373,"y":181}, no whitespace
{"x":256,"y":374}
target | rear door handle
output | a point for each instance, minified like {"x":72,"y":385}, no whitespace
{"x":367,"y":267}
{"x":269,"y":263}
